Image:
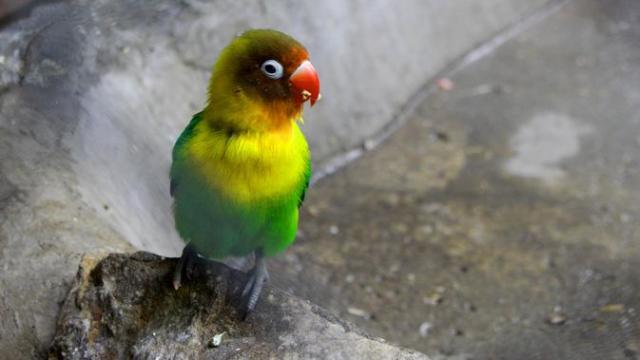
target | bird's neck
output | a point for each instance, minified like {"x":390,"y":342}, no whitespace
{"x":229,"y":108}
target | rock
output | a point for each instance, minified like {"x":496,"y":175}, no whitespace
{"x":123,"y":306}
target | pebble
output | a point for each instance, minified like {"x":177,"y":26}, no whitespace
{"x":358,"y":312}
{"x":556,"y":317}
{"x":445,"y":84}
{"x":612,"y":308}
{"x":334,"y":230}
{"x":411,"y":277}
{"x":368,"y":144}
{"x":216,"y":340}
{"x":424,"y":329}
{"x":313,"y":210}
{"x":433,"y":299}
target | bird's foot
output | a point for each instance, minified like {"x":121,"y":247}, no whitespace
{"x":185,"y":266}
{"x":258,"y":277}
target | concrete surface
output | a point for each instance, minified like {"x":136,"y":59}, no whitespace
{"x":9,"y":8}
{"x":125,"y":307}
{"x":349,"y":42}
{"x":93,"y":94}
{"x":502,"y":221}
{"x":122,"y":47}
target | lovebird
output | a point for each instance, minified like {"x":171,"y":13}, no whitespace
{"x":242,"y":165}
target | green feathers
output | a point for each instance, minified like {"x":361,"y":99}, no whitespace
{"x":219,"y":225}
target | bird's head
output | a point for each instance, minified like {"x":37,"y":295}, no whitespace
{"x":262,"y":80}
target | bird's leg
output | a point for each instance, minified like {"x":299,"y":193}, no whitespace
{"x":258,"y":276}
{"x":185,"y":265}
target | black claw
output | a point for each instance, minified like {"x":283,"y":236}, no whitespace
{"x":185,"y":265}
{"x":258,"y":277}
{"x":190,"y":266}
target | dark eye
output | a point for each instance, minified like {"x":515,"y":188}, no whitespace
{"x":272,"y":69}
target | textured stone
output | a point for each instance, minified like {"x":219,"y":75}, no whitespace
{"x":125,"y":307}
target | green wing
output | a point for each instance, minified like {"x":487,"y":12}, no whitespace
{"x":186,"y":134}
{"x":305,"y":186}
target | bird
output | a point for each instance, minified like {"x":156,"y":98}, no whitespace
{"x":241,"y":167}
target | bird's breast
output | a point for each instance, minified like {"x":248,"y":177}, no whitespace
{"x":250,"y":167}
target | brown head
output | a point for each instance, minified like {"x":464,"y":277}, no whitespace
{"x":262,"y":73}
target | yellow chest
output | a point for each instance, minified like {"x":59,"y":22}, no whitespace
{"x":250,"y":166}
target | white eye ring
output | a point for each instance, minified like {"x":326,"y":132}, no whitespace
{"x":272,"y":69}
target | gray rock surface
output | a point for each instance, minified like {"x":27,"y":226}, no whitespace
{"x":123,"y":306}
{"x":93,"y":94}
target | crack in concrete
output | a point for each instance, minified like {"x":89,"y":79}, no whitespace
{"x":335,"y":163}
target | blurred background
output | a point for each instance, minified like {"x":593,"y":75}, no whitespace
{"x":476,"y":167}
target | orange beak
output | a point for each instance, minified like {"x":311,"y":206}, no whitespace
{"x":305,"y":84}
